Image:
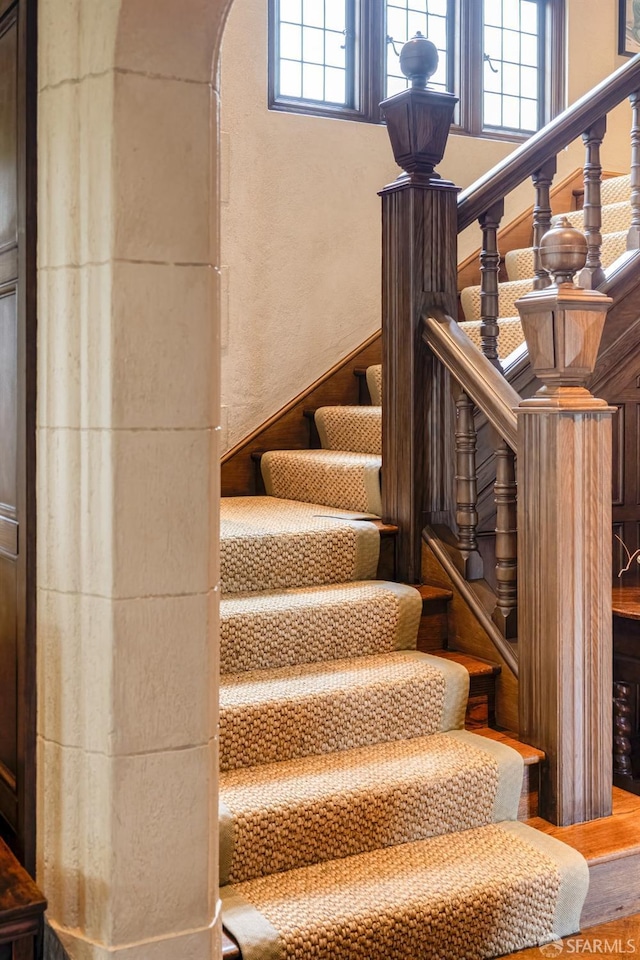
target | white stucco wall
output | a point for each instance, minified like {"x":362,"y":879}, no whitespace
{"x":301,"y":216}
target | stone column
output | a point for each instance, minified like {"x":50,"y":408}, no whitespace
{"x":128,"y":477}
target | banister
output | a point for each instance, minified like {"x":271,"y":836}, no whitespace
{"x":546,"y":143}
{"x":485,"y":384}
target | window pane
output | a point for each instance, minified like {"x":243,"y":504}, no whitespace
{"x":313,"y":32}
{"x":313,"y":45}
{"x":334,"y":85}
{"x":529,"y":16}
{"x":290,"y":79}
{"x":529,"y":50}
{"x":529,"y":82}
{"x":493,"y":78}
{"x":511,"y":78}
{"x":511,"y":45}
{"x":493,"y":42}
{"x":493,"y":110}
{"x":529,"y":114}
{"x":334,"y":17}
{"x":334,"y":51}
{"x":396,"y":23}
{"x":416,"y":21}
{"x":437,"y":31}
{"x":291,"y":10}
{"x":290,"y":42}
{"x":312,"y":82}
{"x":313,"y":11}
{"x":511,"y":14}
{"x":493,"y":12}
{"x":511,"y":112}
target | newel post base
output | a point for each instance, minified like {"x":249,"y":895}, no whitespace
{"x":564,"y":629}
{"x":419,"y":269}
{"x":564,"y":543}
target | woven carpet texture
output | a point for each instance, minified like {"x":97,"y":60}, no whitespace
{"x":357,"y":818}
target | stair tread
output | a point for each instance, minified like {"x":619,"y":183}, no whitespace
{"x":476,"y":666}
{"x":496,"y":881}
{"x":530,"y":755}
{"x":362,"y":799}
{"x":268,"y":543}
{"x":272,"y":715}
{"x":277,"y":628}
{"x":431,"y":591}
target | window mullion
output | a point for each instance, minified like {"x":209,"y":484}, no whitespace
{"x":470,"y":52}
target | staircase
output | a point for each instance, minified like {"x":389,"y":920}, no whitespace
{"x":520,"y":267}
{"x":353,"y":801}
{"x":359,"y":818}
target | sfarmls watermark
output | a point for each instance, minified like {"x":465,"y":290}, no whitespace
{"x":591,"y":945}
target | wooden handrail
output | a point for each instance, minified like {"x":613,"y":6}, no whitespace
{"x":546,"y":143}
{"x":485,"y":384}
{"x":503,"y":646}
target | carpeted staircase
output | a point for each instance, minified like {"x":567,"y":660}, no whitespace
{"x":358,"y":818}
{"x":616,"y":220}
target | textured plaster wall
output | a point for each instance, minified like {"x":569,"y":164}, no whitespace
{"x":127,"y":430}
{"x":301,"y":216}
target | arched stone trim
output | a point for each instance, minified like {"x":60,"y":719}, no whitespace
{"x":128,"y":475}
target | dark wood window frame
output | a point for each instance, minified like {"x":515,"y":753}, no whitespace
{"x":366,"y":50}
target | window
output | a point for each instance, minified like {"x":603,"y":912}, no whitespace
{"x":341,"y":58}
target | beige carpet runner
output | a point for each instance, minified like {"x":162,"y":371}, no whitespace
{"x":358,"y":820}
{"x":616,"y":219}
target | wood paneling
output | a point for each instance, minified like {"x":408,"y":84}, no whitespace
{"x":18,"y":102}
{"x":467,"y":636}
{"x":564,"y":613}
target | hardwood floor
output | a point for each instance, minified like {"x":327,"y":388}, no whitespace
{"x":620,"y":938}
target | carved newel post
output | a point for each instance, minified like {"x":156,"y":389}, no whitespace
{"x":419,"y":243}
{"x":564,"y":541}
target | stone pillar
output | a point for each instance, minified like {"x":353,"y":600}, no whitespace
{"x":564,"y":542}
{"x":419,"y":269}
{"x":128,"y":477}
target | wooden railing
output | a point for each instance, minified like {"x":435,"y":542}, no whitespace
{"x":478,"y":385}
{"x":438,"y":388}
{"x":483,"y":201}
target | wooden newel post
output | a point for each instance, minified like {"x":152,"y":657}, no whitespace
{"x":564,"y":541}
{"x":419,"y":264}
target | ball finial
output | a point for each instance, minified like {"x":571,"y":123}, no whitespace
{"x":419,"y":60}
{"x":563,"y":251}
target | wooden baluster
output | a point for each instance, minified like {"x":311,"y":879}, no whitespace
{"x":622,"y":729}
{"x":467,"y":488}
{"x":506,"y":613}
{"x":593,"y":275}
{"x":489,"y":270}
{"x":633,"y":238}
{"x":542,"y":180}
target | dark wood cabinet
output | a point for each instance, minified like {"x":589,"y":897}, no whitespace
{"x":626,"y":686}
{"x":18,"y":92}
